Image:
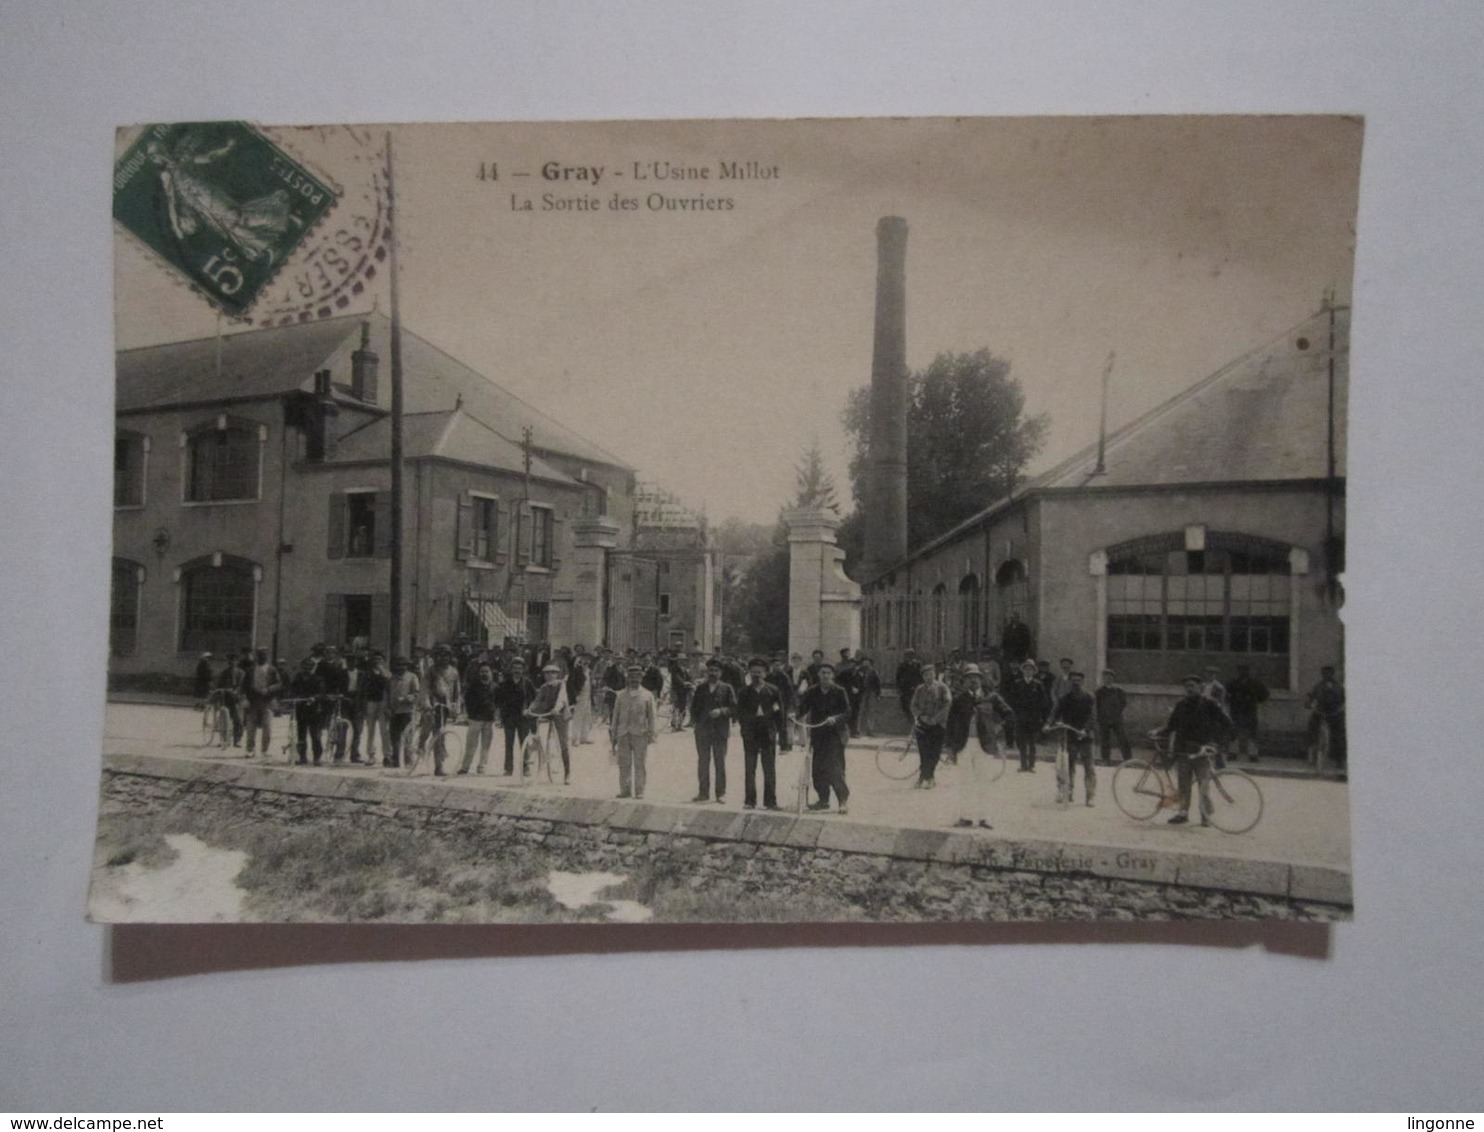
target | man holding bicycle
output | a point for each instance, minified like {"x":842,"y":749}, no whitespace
{"x":1195,"y":722}
{"x":1076,"y":711}
{"x":550,"y":705}
{"x":825,"y":708}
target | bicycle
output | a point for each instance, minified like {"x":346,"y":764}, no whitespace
{"x":216,"y":719}
{"x":806,"y":766}
{"x":286,"y":708}
{"x":437,"y":731}
{"x":1064,"y":761}
{"x":679,"y":703}
{"x":337,"y":729}
{"x":1142,"y":788}
{"x":547,"y":752}
{"x":899,"y":758}
{"x":1321,"y":750}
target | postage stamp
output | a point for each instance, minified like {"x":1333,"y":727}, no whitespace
{"x":220,"y":203}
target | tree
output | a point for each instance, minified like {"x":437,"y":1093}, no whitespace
{"x":814,"y":487}
{"x":968,"y":442}
{"x":760,"y":596}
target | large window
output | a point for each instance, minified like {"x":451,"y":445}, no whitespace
{"x":123,"y":608}
{"x":1173,"y":610}
{"x":129,"y":454}
{"x":222,"y":463}
{"x":217,"y":605}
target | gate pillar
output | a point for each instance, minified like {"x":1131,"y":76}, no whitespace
{"x":824,"y":606}
{"x":592,"y":539}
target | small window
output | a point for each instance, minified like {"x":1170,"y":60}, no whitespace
{"x":360,"y":516}
{"x":664,"y":605}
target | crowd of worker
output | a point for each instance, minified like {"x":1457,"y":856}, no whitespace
{"x":357,"y":706}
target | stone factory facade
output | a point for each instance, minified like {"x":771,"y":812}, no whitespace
{"x":252,"y":503}
{"x":1212,"y":533}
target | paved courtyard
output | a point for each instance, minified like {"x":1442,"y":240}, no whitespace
{"x":1304,"y":821}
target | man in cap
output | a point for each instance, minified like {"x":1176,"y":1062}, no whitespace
{"x":930,"y":706}
{"x":402,"y":694}
{"x":1077,"y":713}
{"x":635,"y":725}
{"x":479,"y":701}
{"x":826,"y":709}
{"x":989,"y":714}
{"x":759,"y":708}
{"x":513,"y":695}
{"x":550,"y":705}
{"x":1195,"y":722}
{"x":712,"y":706}
{"x":260,"y":687}
{"x":1032,"y":705}
{"x":1326,"y":704}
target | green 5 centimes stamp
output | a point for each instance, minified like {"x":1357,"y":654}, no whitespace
{"x":220,"y":203}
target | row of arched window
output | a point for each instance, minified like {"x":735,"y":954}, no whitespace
{"x":965,"y":618}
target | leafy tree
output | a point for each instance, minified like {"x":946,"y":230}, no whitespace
{"x":759,"y":597}
{"x":968,"y":442}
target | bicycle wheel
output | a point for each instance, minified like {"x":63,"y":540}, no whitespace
{"x":222,"y":727}
{"x":1137,"y":789}
{"x":897,"y":758}
{"x":208,"y":725}
{"x":551,"y":758}
{"x":450,"y":747}
{"x":997,"y":763}
{"x":1236,"y":801}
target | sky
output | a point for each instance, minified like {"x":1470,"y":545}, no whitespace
{"x":709,"y":348}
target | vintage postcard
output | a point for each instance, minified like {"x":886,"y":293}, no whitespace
{"x":875,"y":520}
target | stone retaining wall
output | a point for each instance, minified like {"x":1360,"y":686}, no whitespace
{"x":883,"y":873}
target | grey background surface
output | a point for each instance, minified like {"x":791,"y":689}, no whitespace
{"x":1389,"y":1019}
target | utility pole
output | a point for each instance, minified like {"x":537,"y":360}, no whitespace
{"x":394,"y":602}
{"x":1331,"y":543}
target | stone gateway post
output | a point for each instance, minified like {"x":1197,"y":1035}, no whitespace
{"x":824,"y":606}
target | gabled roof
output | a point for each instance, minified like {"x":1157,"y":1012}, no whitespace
{"x":253,"y":364}
{"x":1263,"y":417}
{"x":433,"y":379}
{"x":449,"y":434}
{"x":279,"y":359}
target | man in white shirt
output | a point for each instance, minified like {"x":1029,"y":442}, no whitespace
{"x":635,"y":723}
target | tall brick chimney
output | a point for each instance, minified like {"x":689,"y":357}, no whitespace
{"x":886,"y":495}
